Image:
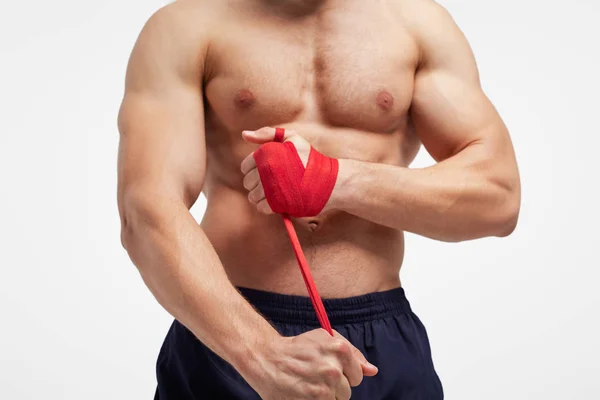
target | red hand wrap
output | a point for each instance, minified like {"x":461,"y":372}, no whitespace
{"x":292,"y":189}
{"x":289,"y":187}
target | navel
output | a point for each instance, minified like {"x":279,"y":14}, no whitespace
{"x":244,"y":99}
{"x":385,"y":100}
{"x":313,"y":226}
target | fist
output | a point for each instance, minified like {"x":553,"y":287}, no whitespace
{"x":252,"y":182}
{"x":313,"y":365}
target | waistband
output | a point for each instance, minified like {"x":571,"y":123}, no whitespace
{"x":298,"y":310}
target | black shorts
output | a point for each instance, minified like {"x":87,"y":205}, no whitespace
{"x":381,"y":325}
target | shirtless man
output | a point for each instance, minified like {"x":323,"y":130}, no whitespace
{"x":362,"y":82}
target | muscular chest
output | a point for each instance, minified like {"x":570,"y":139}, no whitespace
{"x":349,"y":68}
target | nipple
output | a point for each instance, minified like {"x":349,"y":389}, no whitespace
{"x":244,"y":99}
{"x":385,"y":100}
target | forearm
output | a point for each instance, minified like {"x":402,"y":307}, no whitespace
{"x":462,"y":198}
{"x":183,"y":271}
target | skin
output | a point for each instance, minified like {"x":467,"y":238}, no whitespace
{"x":365,"y":83}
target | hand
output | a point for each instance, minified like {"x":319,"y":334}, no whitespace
{"x":313,"y":365}
{"x":252,"y":181}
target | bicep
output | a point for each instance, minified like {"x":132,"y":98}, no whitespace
{"x":450,"y":110}
{"x":162,"y":148}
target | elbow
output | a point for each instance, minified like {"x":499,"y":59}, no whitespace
{"x":126,"y":214}
{"x":138,"y":217}
{"x":127,"y":230}
{"x":509,"y":222}
{"x":130,"y":227}
{"x":506,"y":214}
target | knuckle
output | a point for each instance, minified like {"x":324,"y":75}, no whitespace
{"x":333,"y":374}
{"x":295,"y":139}
{"x":341,"y":347}
{"x":323,"y":346}
{"x":319,"y":392}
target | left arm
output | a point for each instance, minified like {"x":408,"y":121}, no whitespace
{"x":474,"y":190}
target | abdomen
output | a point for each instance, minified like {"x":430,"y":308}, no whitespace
{"x":347,"y":255}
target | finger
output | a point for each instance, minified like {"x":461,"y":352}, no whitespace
{"x":264,"y":135}
{"x":368,"y":369}
{"x":248,"y":163}
{"x":252,"y":179}
{"x":256,"y":195}
{"x":264,"y":207}
{"x":343,"y":391}
{"x":351,"y":365}
{"x":335,"y":379}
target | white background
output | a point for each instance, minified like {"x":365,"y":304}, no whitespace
{"x":514,"y":318}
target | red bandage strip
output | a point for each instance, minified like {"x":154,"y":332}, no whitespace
{"x":308,"y":279}
{"x":303,"y":264}
{"x":279,"y":134}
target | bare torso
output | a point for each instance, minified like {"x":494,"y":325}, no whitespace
{"x":341,"y":76}
{"x":367,"y":82}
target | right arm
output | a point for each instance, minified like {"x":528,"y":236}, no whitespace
{"x":162,"y":164}
{"x":160,"y":173}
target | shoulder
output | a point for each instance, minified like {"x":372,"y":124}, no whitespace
{"x":434,"y":30}
{"x":182,"y":19}
{"x":422,"y":11}
{"x":174,"y":40}
{"x":425,"y":18}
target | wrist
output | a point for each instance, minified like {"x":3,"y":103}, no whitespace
{"x":251,"y":359}
{"x":342,"y":189}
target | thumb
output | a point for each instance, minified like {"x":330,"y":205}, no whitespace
{"x":367,"y":368}
{"x":264,"y":135}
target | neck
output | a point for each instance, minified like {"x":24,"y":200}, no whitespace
{"x":296,"y":7}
